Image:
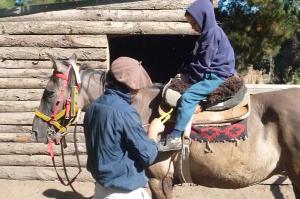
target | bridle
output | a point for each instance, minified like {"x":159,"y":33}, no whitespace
{"x":59,"y":121}
{"x":63,"y":119}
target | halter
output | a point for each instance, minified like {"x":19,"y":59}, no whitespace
{"x":66,"y":116}
{"x":70,"y":111}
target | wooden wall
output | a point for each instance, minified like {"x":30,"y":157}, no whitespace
{"x":25,"y":69}
{"x":24,"y":72}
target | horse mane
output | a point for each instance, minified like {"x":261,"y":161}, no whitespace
{"x":86,"y":68}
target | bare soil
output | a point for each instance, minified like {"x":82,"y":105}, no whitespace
{"x":14,"y":189}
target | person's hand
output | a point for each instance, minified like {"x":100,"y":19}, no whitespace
{"x":156,"y":126}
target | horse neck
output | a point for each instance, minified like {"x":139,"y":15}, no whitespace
{"x":146,"y":103}
{"x":92,"y":86}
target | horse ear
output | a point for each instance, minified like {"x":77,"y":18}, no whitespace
{"x":73,"y":59}
{"x":56,"y":64}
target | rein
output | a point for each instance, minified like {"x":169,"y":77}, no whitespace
{"x":61,"y":120}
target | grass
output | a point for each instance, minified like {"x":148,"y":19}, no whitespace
{"x":7,"y":4}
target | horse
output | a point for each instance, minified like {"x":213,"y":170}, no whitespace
{"x":272,"y":147}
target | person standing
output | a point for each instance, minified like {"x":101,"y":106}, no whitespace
{"x":118,"y":147}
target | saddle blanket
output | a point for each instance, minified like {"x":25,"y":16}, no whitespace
{"x":229,"y":132}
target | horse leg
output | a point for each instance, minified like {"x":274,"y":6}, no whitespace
{"x":293,"y":173}
{"x":156,"y":188}
{"x":167,"y":185}
{"x":296,"y":191}
{"x":161,"y":178}
{"x":161,"y":189}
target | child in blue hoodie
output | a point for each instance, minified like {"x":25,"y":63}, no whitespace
{"x":212,"y":63}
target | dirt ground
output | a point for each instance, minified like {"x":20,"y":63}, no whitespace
{"x":13,"y":189}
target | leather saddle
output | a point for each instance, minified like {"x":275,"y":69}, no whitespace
{"x":229,"y":103}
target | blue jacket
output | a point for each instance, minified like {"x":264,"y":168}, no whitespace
{"x":117,"y":145}
{"x":213,"y":52}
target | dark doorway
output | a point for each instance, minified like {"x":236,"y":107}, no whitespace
{"x":161,"y":55}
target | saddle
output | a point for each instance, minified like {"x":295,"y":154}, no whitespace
{"x":229,"y":103}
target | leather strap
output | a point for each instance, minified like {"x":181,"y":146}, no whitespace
{"x":184,"y":162}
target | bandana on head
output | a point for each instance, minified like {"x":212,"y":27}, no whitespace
{"x":131,"y":73}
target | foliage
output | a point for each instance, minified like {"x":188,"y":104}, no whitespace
{"x":287,"y":62}
{"x":258,"y":29}
{"x":7,"y":3}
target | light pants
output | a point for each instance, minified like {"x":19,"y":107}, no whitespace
{"x":110,"y":193}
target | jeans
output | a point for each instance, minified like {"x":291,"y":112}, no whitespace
{"x":192,"y":96}
{"x":111,"y":193}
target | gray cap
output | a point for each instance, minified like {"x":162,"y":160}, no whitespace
{"x":131,"y":73}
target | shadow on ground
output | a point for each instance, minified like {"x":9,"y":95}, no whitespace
{"x":275,"y":189}
{"x":57,"y":194}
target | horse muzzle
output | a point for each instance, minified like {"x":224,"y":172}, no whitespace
{"x":39,"y":131}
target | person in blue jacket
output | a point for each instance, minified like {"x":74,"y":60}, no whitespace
{"x":118,"y":147}
{"x":212,"y":63}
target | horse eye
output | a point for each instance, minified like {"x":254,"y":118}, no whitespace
{"x":49,"y":93}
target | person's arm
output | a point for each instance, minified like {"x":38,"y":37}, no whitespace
{"x":141,"y":146}
{"x":206,"y":51}
{"x":156,"y":127}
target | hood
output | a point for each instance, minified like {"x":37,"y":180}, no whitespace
{"x":203,"y":13}
{"x":121,"y":92}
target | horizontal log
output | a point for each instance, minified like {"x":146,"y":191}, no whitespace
{"x":103,"y":15}
{"x":260,"y":88}
{"x":95,"y":27}
{"x":144,"y":5}
{"x":40,"y":160}
{"x":15,"y":137}
{"x":19,"y":94}
{"x":18,"y":106}
{"x":15,"y":129}
{"x":20,"y":83}
{"x":31,"y":64}
{"x":26,"y":137}
{"x":12,"y":148}
{"x":22,"y":118}
{"x":38,"y":53}
{"x":17,"y":118}
{"x":26,"y":73}
{"x":41,"y":173}
{"x":54,"y":41}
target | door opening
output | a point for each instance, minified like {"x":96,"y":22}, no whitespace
{"x":161,"y":55}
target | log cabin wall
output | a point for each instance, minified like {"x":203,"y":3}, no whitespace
{"x":25,"y":69}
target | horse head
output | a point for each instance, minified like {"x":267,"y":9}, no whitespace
{"x":58,"y":106}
